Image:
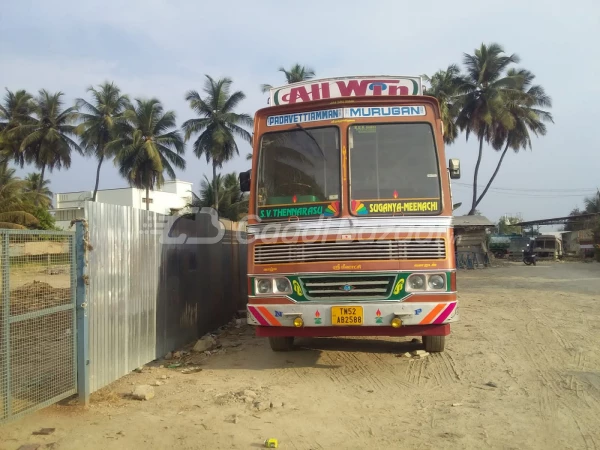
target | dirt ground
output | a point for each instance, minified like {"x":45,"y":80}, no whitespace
{"x":520,"y":371}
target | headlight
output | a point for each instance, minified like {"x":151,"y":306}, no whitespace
{"x":264,"y":286}
{"x":437,"y":282}
{"x":283,"y":286}
{"x":273,"y":286}
{"x":416,"y":282}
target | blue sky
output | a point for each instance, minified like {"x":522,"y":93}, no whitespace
{"x":163,"y":48}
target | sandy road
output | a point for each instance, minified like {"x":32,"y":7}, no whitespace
{"x":533,"y":332}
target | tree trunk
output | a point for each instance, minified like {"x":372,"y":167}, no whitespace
{"x":41,"y":183}
{"x":98,"y":176}
{"x":215,"y":188}
{"x":474,"y":204}
{"x":493,"y":175}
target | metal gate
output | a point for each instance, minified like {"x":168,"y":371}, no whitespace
{"x":38,"y":353}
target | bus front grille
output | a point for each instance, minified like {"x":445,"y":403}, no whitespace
{"x":374,"y":250}
{"x":348,"y":287}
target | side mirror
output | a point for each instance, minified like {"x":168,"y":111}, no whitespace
{"x":454,"y":168}
{"x":245,"y":181}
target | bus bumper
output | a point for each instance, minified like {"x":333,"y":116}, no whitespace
{"x":409,"y":330}
{"x":373,"y":316}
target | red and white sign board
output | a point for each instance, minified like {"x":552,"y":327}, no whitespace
{"x":345,"y":87}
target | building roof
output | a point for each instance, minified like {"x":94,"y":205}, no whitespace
{"x":471,"y":221}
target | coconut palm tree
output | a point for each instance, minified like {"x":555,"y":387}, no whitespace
{"x":99,"y":122}
{"x":444,"y":86}
{"x":296,"y":74}
{"x":48,"y":139}
{"x":232,"y":204}
{"x":217,"y":125}
{"x":15,"y":111}
{"x":483,"y":99}
{"x":148,"y":145}
{"x":592,"y":204}
{"x":523,"y":104}
{"x":12,"y":211}
{"x":35,"y":194}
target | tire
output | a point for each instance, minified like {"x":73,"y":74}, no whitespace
{"x":527,"y":263}
{"x":434,"y":344}
{"x":281,"y":344}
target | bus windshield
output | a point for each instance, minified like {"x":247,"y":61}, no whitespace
{"x":298,"y":173}
{"x":394,"y":169}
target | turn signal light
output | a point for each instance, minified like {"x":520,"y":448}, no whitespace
{"x":396,"y":323}
{"x":298,"y":322}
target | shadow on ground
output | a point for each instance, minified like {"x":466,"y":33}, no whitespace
{"x":306,"y":352}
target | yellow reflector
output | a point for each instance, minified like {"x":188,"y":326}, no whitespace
{"x":298,"y":322}
{"x":396,"y":323}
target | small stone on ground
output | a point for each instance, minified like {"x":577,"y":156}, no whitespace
{"x":205,"y":344}
{"x":143,"y":392}
{"x":262,"y":406}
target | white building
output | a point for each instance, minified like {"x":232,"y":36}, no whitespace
{"x":173,"y":195}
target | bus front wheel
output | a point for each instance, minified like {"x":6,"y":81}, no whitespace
{"x":281,"y":344}
{"x":434,"y":344}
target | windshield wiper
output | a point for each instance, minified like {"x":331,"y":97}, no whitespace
{"x":313,"y":139}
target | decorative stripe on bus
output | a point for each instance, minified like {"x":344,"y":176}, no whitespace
{"x":443,"y":316}
{"x":266,"y":318}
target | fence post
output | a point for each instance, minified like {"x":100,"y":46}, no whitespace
{"x":5,"y":273}
{"x":83,"y":363}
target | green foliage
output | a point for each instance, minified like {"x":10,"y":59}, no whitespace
{"x":36,"y":190}
{"x":45,"y":220}
{"x":14,"y":211}
{"x":232,"y":203}
{"x":295,"y":74}
{"x":217,"y":126}
{"x":445,"y":86}
{"x":47,"y":140}
{"x":100,"y":121}
{"x":492,"y":100}
{"x":592,"y":206}
{"x":147,"y":145}
{"x":15,"y":111}
{"x":592,"y":203}
{"x":572,"y":224}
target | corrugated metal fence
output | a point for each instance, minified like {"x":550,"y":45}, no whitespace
{"x":156,"y":283}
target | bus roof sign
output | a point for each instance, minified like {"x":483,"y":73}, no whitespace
{"x":345,"y":87}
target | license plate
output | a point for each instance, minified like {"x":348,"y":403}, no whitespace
{"x":347,"y":315}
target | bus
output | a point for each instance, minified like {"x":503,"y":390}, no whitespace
{"x":350,"y":213}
